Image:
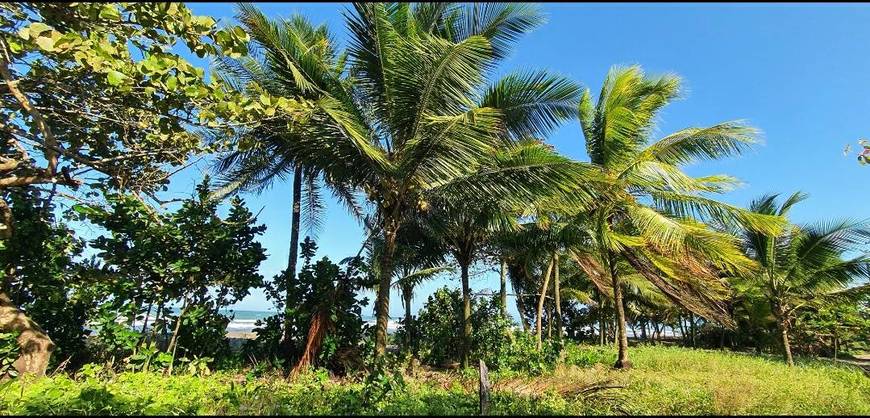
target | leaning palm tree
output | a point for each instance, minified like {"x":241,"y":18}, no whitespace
{"x":413,"y":117}
{"x":651,"y":215}
{"x":805,"y":266}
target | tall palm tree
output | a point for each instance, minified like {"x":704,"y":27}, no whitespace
{"x":307,"y":61}
{"x":805,"y":266}
{"x":413,"y":118}
{"x":651,"y":215}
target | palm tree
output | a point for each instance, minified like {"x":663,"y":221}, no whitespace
{"x":650,"y":216}
{"x":805,"y":266}
{"x":413,"y":119}
{"x":465,"y":228}
{"x":307,"y":61}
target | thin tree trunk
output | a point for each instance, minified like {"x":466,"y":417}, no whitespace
{"x":550,"y":321}
{"x":602,"y":328}
{"x":622,"y":337}
{"x":785,"y":342}
{"x":683,"y":332}
{"x":382,"y":301}
{"x":540,"y":310}
{"x":293,"y":256}
{"x":145,"y":323}
{"x":503,"y":288}
{"x":466,"y":313}
{"x":409,"y":324}
{"x":174,"y":340}
{"x":521,"y":307}
{"x":692,"y":327}
{"x":558,"y":297}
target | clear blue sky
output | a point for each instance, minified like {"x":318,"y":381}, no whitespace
{"x":797,"y":72}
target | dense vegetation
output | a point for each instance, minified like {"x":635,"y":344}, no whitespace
{"x":663,"y":381}
{"x":120,"y":293}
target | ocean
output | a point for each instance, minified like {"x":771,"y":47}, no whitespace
{"x":244,"y":321}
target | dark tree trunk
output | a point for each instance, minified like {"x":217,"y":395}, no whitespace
{"x":293,"y":256}
{"x":622,"y":337}
{"x":602,"y":327}
{"x":558,"y":298}
{"x":409,"y":320}
{"x":466,"y":313}
{"x":382,"y":302}
{"x":174,"y":340}
{"x":521,"y":307}
{"x":503,"y":288}
{"x":692,"y":327}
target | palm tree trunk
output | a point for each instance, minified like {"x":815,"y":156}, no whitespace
{"x":692,"y":327}
{"x":521,"y":307}
{"x":540,"y":310}
{"x":556,"y":294}
{"x":602,"y":324}
{"x":503,"y":288}
{"x":292,"y":258}
{"x":466,"y":313}
{"x":643,"y":325}
{"x":783,"y":324}
{"x":382,"y":301}
{"x":621,"y":336}
{"x":409,"y":325}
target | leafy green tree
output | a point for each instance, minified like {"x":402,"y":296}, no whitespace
{"x":96,"y":95}
{"x":804,"y":267}
{"x":190,"y":257}
{"x":41,"y":277}
{"x":412,"y":117}
{"x":649,"y":215}
{"x":842,"y":327}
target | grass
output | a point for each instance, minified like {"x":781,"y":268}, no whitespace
{"x":663,"y":381}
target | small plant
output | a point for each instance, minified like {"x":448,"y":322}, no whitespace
{"x":197,"y":366}
{"x":9,"y":350}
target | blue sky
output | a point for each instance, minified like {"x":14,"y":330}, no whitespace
{"x":797,"y":72}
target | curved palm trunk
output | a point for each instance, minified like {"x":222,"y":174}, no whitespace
{"x":320,"y":324}
{"x":466,"y":314}
{"x":539,"y":313}
{"x":382,"y":301}
{"x":621,"y":335}
{"x":293,"y":256}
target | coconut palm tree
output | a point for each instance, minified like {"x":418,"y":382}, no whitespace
{"x":805,"y":266}
{"x":413,"y":118}
{"x":307,"y":62}
{"x":651,"y":215}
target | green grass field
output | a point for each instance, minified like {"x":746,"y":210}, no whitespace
{"x":663,"y":381}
